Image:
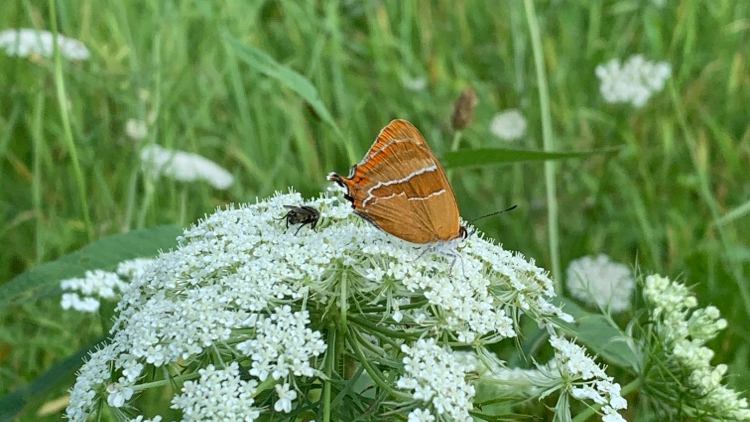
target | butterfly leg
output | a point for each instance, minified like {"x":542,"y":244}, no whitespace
{"x":456,"y":256}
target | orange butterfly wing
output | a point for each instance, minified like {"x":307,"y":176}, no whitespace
{"x":400,"y":187}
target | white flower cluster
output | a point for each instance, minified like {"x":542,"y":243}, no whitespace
{"x":83,"y":293}
{"x":682,"y":332}
{"x":508,"y":125}
{"x":469,"y":304}
{"x":634,"y":82}
{"x":225,"y":279}
{"x":472,"y":311}
{"x":242,"y":288}
{"x":90,"y":383}
{"x":434,"y":376}
{"x":283,"y":344}
{"x":583,"y":378}
{"x":26,"y":41}
{"x":420,"y":415}
{"x":183,"y":166}
{"x":467,"y":309}
{"x":598,"y":281}
{"x":219,"y":395}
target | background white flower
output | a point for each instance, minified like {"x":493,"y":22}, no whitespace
{"x":598,"y":281}
{"x":508,"y":125}
{"x":26,"y":41}
{"x":634,"y":82}
{"x":680,"y":332}
{"x":136,"y":129}
{"x":416,"y":83}
{"x":83,"y":293}
{"x":183,"y":166}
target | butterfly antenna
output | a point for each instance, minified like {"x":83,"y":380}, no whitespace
{"x":493,"y":213}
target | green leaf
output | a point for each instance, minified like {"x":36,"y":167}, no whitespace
{"x":735,"y":214}
{"x":487,"y":156}
{"x":266,"y":64}
{"x":59,"y":375}
{"x":43,"y":280}
{"x":738,"y":253}
{"x":598,"y":334}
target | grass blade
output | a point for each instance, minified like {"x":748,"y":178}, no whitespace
{"x":268,"y":66}
{"x":488,"y":156}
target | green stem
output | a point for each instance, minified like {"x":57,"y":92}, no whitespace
{"x":343,"y":304}
{"x":454,"y":147}
{"x":548,"y":140}
{"x":60,"y":87}
{"x":183,"y":218}
{"x":36,"y":180}
{"x":374,"y":373}
{"x":456,"y":140}
{"x":127,"y":219}
{"x":329,"y":364}
{"x":378,"y":328}
{"x":148,"y":196}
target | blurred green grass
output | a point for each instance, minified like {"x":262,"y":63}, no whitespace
{"x":684,"y":162}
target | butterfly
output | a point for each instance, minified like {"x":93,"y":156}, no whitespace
{"x":401,"y":188}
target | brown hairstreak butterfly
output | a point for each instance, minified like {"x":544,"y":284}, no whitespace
{"x":400,"y":187}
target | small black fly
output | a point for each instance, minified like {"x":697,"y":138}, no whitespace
{"x":303,"y":215}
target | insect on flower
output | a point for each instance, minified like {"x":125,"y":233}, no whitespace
{"x":303,"y":215}
{"x":401,"y":188}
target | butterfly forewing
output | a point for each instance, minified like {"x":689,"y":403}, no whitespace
{"x":401,"y":188}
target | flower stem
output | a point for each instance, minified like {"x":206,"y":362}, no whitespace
{"x":548,"y":140}
{"x":454,"y":147}
{"x":374,"y":373}
{"x":330,"y":362}
{"x":456,"y":140}
{"x":60,"y":87}
{"x":36,"y":181}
